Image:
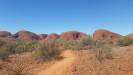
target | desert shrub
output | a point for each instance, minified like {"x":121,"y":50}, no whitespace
{"x":4,"y":53}
{"x":125,"y":41}
{"x":80,"y":44}
{"x":31,"y":45}
{"x":5,"y":49}
{"x":46,"y":49}
{"x":15,"y":47}
{"x":103,"y":51}
{"x":24,"y":46}
{"x":20,"y":48}
{"x":2,"y":43}
{"x":89,"y":42}
{"x":72,"y":44}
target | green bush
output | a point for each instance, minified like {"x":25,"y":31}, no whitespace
{"x":125,"y":41}
{"x":46,"y":49}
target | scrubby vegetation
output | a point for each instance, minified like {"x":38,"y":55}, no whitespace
{"x":4,"y":53}
{"x":42,"y":49}
{"x":24,"y":46}
{"x":81,"y":44}
{"x":15,"y":47}
{"x":5,"y":49}
{"x":37,"y":49}
{"x":125,"y":41}
{"x":46,"y":49}
{"x":103,"y":50}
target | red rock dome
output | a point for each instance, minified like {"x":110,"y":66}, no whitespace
{"x":26,"y":35}
{"x":73,"y":35}
{"x":53,"y":36}
{"x":130,"y":35}
{"x":42,"y":36}
{"x":5,"y":34}
{"x":105,"y":34}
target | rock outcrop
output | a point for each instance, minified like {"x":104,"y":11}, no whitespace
{"x":5,"y":34}
{"x":53,"y":36}
{"x":130,"y":36}
{"x":105,"y":34}
{"x":26,"y":35}
{"x":42,"y":36}
{"x":73,"y":35}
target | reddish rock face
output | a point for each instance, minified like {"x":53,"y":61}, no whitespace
{"x":42,"y":36}
{"x":73,"y":35}
{"x":53,"y":36}
{"x":130,"y":35}
{"x":104,"y":34}
{"x":26,"y":35}
{"x":5,"y":34}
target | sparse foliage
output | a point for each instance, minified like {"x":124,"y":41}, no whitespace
{"x":125,"y":41}
{"x":5,"y":50}
{"x":46,"y":49}
{"x":4,"y":53}
{"x":103,"y":51}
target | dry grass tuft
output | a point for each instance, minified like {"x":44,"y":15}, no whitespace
{"x":21,"y":66}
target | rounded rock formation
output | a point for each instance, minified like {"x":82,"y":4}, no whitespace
{"x":5,"y":34}
{"x":102,"y":34}
{"x":53,"y":36}
{"x":26,"y":35}
{"x":73,"y":35}
{"x":130,"y":36}
{"x":42,"y":36}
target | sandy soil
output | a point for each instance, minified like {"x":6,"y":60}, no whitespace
{"x":60,"y":67}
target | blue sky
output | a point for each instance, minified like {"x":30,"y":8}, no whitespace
{"x":47,"y":16}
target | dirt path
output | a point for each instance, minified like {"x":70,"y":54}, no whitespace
{"x":60,"y":67}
